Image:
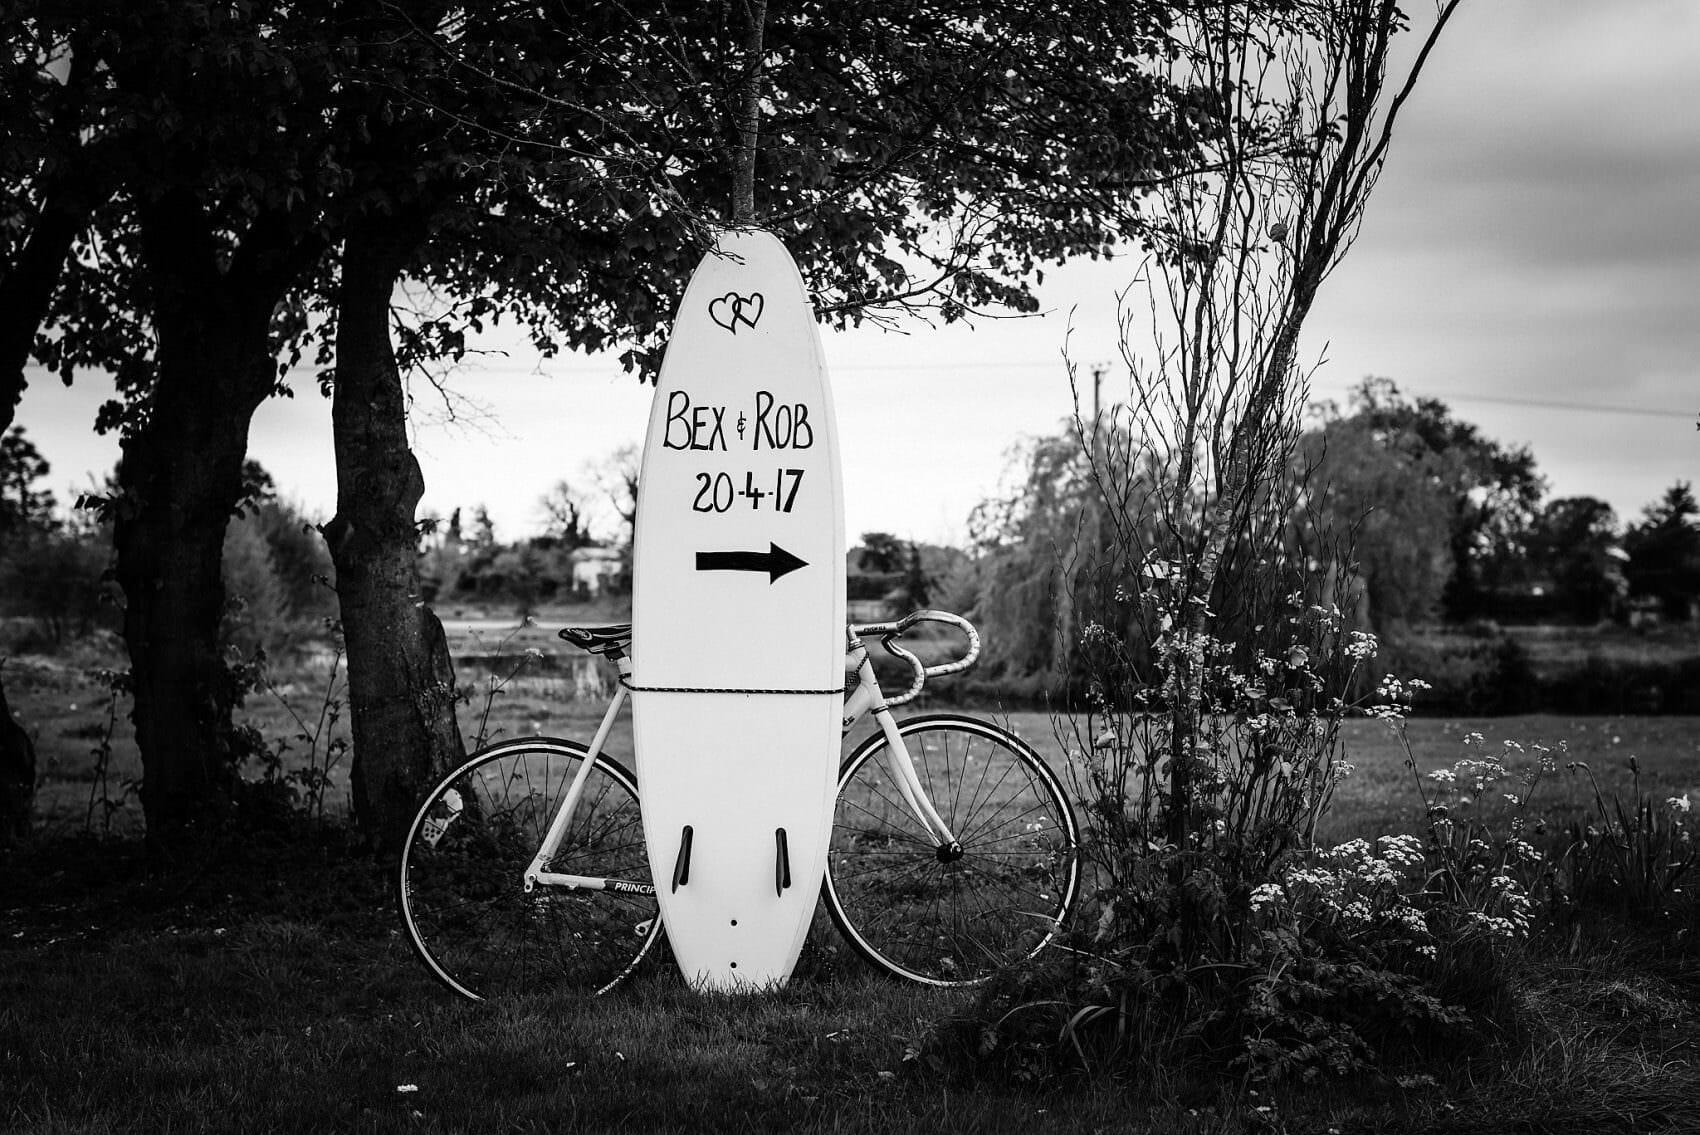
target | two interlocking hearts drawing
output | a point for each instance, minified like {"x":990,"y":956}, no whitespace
{"x":732,"y":309}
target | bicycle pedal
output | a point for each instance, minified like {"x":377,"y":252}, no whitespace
{"x":436,"y":826}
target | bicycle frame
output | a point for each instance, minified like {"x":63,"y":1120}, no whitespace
{"x":534,"y":872}
{"x":867,"y":697}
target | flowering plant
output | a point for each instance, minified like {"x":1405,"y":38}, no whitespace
{"x":1260,"y":743}
{"x":1479,"y":820}
{"x":1357,"y":893}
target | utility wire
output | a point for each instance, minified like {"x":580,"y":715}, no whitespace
{"x":1589,"y":407}
{"x":1447,"y":396}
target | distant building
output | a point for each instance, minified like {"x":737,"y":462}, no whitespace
{"x":594,"y":570}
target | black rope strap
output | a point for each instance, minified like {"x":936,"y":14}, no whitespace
{"x":626,"y":682}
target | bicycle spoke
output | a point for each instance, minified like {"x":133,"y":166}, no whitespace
{"x":463,"y":900}
{"x":925,"y":915}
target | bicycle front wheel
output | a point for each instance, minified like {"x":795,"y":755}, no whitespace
{"x":461,"y":885}
{"x":931,"y":914}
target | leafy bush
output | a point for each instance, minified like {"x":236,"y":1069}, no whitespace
{"x":299,"y":558}
{"x":1486,"y":673}
{"x":257,"y":613}
{"x":1347,"y":959}
{"x":1245,"y":949}
{"x":277,"y":580}
{"x":58,"y":579}
{"x":1625,"y":686}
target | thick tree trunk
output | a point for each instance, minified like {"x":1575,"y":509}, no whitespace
{"x":180,"y":479}
{"x":401,"y":679}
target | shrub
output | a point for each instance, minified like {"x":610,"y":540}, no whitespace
{"x":59,"y":580}
{"x":1249,"y":951}
{"x":1487,"y":672}
{"x":1242,"y":948}
{"x":1347,"y":959}
{"x":299,"y":558}
{"x":257,"y":610}
{"x":277,"y":580}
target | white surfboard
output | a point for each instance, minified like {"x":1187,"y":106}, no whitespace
{"x":738,"y":618}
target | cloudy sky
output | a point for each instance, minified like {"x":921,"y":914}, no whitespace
{"x":1531,"y":256}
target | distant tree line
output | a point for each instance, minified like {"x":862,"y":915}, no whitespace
{"x":56,"y":564}
{"x":1446,"y":526}
{"x":1442,"y":525}
{"x":1451,"y":525}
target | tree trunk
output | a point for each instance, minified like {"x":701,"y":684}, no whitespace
{"x":401,"y":679}
{"x":180,"y":479}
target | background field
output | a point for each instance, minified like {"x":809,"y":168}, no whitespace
{"x":557,"y":691}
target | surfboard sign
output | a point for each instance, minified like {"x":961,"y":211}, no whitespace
{"x":738,"y":618}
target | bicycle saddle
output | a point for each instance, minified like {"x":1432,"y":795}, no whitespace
{"x":611,"y":640}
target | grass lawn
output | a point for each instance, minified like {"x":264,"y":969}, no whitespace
{"x":268,"y":991}
{"x":268,"y":988}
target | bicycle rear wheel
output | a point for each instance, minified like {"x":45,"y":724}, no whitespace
{"x":923,"y":913}
{"x":461,"y":882}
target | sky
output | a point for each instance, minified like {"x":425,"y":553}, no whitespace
{"x":1531,"y":257}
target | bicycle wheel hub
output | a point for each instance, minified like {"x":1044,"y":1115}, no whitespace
{"x":949,"y":852}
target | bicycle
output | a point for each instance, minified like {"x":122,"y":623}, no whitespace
{"x":954,"y":852}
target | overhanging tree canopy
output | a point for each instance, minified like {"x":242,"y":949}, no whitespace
{"x":555,"y":164}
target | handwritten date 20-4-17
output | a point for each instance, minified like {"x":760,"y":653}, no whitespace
{"x":719,"y":492}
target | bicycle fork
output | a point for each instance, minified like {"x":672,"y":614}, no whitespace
{"x":865,"y":698}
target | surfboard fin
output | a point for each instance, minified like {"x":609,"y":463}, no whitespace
{"x":781,"y":862}
{"x":682,"y":865}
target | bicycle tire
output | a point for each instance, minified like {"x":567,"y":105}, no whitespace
{"x":909,"y":912}
{"x":460,"y":881}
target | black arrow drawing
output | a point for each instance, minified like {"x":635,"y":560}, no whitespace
{"x":776,"y":561}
